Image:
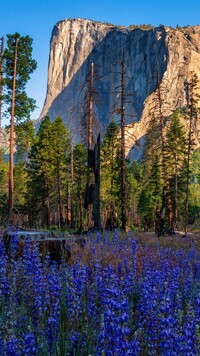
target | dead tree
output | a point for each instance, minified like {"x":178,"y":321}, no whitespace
{"x":70,"y":195}
{"x":96,"y":199}
{"x":123,"y":163}
{"x":90,"y":128}
{"x":90,"y":140}
{"x":156,"y":133}
{"x":159,"y":111}
{"x":120,"y":110}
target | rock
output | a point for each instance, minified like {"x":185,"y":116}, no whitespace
{"x":76,"y":43}
{"x":57,"y":247}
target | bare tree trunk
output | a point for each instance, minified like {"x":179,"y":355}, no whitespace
{"x":90,"y":133}
{"x":192,"y":100}
{"x":162,"y":136}
{"x":175,"y":212}
{"x":123,"y":163}
{"x":161,"y":119}
{"x":96,"y":200}
{"x":59,"y":197}
{"x":90,"y":141}
{"x":188,"y":172}
{"x":12,"y":141}
{"x":68,"y":211}
{"x":80,"y":201}
{"x":47,"y":205}
{"x":71,"y":174}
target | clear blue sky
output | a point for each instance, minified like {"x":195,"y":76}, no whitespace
{"x":37,"y":18}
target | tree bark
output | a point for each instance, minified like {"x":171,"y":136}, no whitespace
{"x":188,"y":171}
{"x":90,"y":142}
{"x":59,"y":197}
{"x":12,"y":139}
{"x":80,"y":200}
{"x":71,"y":174}
{"x":192,"y":99}
{"x":123,"y":163}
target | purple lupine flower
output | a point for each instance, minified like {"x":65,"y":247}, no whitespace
{"x":12,"y":347}
{"x":4,"y":283}
{"x":2,"y":348}
{"x":29,"y":345}
{"x":53,"y":321}
{"x":114,"y":332}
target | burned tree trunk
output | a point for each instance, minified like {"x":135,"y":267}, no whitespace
{"x":96,"y":204}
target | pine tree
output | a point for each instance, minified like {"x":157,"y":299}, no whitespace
{"x":175,"y":153}
{"x":60,"y":148}
{"x":151,"y":182}
{"x":150,"y":188}
{"x":17,"y":68}
{"x":20,"y":188}
{"x":48,"y":172}
{"x":110,"y":173}
{"x":90,"y":128}
{"x":133,"y":178}
{"x":156,"y":137}
{"x":24,"y":137}
{"x":70,"y":209}
{"x":80,"y":178}
{"x":194,"y":189}
{"x":191,"y":114}
{"x":120,"y":110}
{"x":40,"y":171}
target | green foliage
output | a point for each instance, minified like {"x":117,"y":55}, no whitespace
{"x":175,"y":159}
{"x":25,"y":66}
{"x":191,"y":116}
{"x":145,"y":27}
{"x":60,"y":143}
{"x":80,"y":178}
{"x":48,"y":158}
{"x":20,"y":188}
{"x":42,"y":173}
{"x":195,"y":166}
{"x":151,"y":182}
{"x":133,"y":177}
{"x":42,"y":150}
{"x":24,"y":139}
{"x":194,"y":189}
{"x":150,"y":186}
{"x":40,"y":169}
{"x":110,"y":170}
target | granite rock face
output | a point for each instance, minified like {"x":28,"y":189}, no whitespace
{"x":161,"y":55}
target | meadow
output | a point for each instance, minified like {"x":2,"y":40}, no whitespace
{"x":117,"y":295}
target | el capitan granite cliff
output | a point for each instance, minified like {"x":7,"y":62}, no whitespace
{"x":164,"y":54}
